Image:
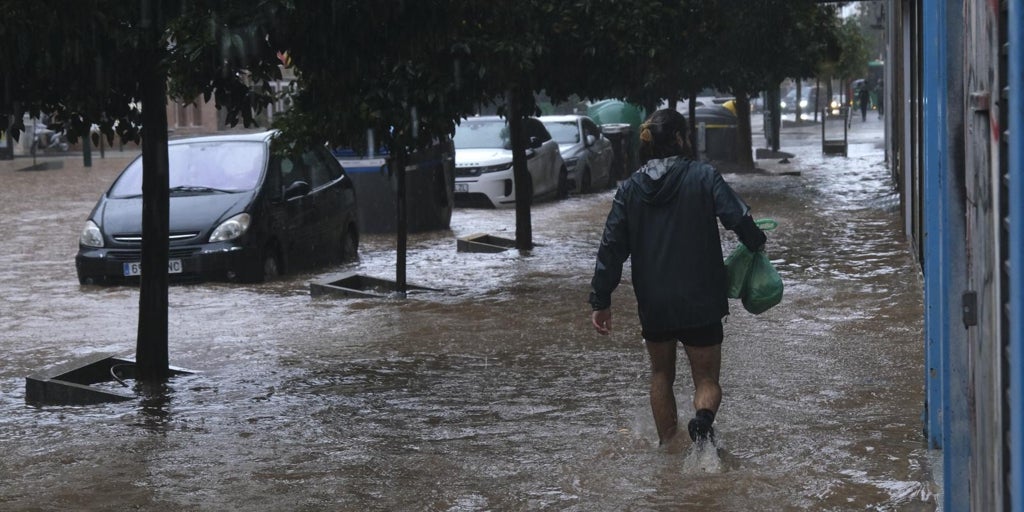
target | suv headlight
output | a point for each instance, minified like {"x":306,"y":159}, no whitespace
{"x":570,"y":163}
{"x":91,"y":235}
{"x":496,"y":168}
{"x":231,"y":229}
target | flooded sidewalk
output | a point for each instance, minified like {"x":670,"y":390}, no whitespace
{"x":491,"y":394}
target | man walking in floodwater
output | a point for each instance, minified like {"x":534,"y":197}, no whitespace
{"x":665,"y":217}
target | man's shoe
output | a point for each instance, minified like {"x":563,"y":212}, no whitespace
{"x":701,"y":429}
{"x":700,"y":426}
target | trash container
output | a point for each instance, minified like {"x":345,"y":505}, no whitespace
{"x":719,"y":125}
{"x":620,"y":135}
{"x":429,"y":189}
{"x":6,"y":146}
{"x":615,"y":112}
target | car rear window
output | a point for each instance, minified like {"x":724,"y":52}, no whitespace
{"x":564,"y":132}
{"x":232,"y":166}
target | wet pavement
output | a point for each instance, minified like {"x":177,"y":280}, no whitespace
{"x":492,"y":394}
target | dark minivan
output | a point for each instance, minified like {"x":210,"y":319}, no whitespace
{"x":238,"y":212}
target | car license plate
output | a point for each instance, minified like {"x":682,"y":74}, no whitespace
{"x":135,"y":268}
{"x":462,"y":187}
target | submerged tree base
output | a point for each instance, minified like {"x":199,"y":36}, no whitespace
{"x":482,"y":242}
{"x":81,"y":382}
{"x":352,"y":285}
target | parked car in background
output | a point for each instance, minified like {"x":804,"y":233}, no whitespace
{"x":238,"y":212}
{"x":483,"y":163}
{"x":587,"y":153}
{"x":810,"y":100}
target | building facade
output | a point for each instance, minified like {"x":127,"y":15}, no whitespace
{"x":955,"y":126}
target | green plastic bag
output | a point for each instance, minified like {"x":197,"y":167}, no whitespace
{"x":737,"y":266}
{"x":763,"y":288}
{"x":739,"y":262}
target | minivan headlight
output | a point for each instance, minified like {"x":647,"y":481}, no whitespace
{"x":91,"y":235}
{"x":231,"y":229}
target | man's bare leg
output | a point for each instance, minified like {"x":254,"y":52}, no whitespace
{"x":705,"y":367}
{"x":663,"y":400}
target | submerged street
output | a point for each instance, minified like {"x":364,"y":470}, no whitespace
{"x":494,"y":393}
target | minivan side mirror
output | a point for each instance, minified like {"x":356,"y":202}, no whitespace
{"x":591,"y":140}
{"x":296,"y":189}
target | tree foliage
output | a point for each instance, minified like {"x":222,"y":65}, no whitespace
{"x":761,"y":43}
{"x":82,"y":62}
{"x":853,"y":58}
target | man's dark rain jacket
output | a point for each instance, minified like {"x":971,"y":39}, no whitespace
{"x":669,"y":228}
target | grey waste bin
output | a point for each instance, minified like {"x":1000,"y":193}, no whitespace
{"x":719,"y":132}
{"x":6,"y":146}
{"x":429,"y":184}
{"x":620,"y":134}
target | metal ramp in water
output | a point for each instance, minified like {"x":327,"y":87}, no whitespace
{"x":835,"y":126}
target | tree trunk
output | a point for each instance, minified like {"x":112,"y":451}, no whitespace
{"x":817,"y":99}
{"x":520,"y":175}
{"x":692,"y":114}
{"x":799,"y":96}
{"x":744,"y":143}
{"x":151,"y":345}
{"x":398,"y":162}
{"x":774,"y":116}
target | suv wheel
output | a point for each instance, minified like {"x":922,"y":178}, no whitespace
{"x":563,"y":183}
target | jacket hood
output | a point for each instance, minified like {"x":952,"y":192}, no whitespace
{"x":659,"y":179}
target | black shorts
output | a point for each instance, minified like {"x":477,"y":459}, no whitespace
{"x":703,"y":336}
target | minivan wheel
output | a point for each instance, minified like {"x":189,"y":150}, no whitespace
{"x":271,"y":264}
{"x":350,"y":245}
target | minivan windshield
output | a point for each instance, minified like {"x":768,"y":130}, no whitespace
{"x":198,"y":167}
{"x":482,"y":134}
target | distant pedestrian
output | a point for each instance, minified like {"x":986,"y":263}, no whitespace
{"x":665,"y":217}
{"x":865,"y":100}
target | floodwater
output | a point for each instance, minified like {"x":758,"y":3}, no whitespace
{"x":492,"y":394}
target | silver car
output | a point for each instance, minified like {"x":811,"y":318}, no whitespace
{"x":586,"y":151}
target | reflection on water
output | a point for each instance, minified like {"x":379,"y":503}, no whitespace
{"x":492,"y":394}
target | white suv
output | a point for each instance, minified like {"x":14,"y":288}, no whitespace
{"x":483,"y":163}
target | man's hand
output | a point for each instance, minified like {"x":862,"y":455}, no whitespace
{"x":602,"y":320}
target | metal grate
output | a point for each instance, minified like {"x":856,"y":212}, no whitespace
{"x":136,"y":238}
{"x":131,"y":255}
